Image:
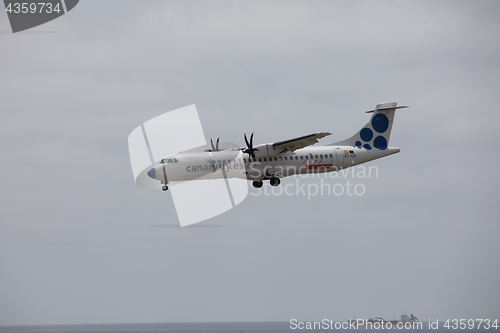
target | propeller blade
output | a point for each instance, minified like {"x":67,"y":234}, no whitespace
{"x":213,"y":148}
{"x":246,"y":140}
{"x":250,"y":150}
{"x":217,"y":144}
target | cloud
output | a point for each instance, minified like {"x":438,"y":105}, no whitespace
{"x":75,"y":241}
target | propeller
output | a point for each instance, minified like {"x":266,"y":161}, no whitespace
{"x":216,"y":147}
{"x":250,"y":150}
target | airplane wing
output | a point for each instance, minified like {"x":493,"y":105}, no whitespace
{"x":298,"y":143}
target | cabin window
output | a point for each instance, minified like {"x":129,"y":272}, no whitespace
{"x":275,"y":158}
{"x":296,"y":157}
{"x":321,"y":156}
{"x":286,"y":159}
{"x":281,"y":158}
{"x":301,"y":157}
{"x":306,"y":157}
{"x":244,"y":160}
{"x":265,"y":159}
{"x":260,"y":160}
{"x":331,"y":156}
{"x":316,"y":156}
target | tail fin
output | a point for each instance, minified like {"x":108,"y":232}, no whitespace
{"x":376,"y":133}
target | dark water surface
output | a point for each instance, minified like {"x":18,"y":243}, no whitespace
{"x":233,"y":327}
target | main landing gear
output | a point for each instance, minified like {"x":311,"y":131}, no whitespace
{"x":273,"y":181}
{"x":257,"y":183}
{"x":164,"y":187}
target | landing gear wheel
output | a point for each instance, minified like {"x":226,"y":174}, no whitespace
{"x":257,"y":183}
{"x":164,"y":187}
{"x":274,"y":181}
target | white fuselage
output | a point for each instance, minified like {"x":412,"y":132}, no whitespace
{"x":233,"y":163}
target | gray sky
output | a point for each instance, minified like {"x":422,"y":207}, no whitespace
{"x":81,"y":243}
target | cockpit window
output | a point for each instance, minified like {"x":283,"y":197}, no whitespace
{"x":169,"y":160}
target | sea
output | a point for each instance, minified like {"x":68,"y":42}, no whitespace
{"x":225,"y":327}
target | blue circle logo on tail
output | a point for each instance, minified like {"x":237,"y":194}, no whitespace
{"x":380,"y":142}
{"x":380,"y":123}
{"x":366,"y":134}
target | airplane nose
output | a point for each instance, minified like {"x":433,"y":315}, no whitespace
{"x":152,"y":173}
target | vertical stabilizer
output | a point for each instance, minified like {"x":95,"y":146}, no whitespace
{"x":376,"y":133}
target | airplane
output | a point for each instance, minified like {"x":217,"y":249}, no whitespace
{"x":273,"y":161}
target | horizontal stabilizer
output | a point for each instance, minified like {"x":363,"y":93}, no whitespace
{"x":388,"y":108}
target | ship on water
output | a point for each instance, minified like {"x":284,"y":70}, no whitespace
{"x":404,"y":319}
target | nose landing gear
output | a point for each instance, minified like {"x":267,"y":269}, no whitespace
{"x":164,"y":187}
